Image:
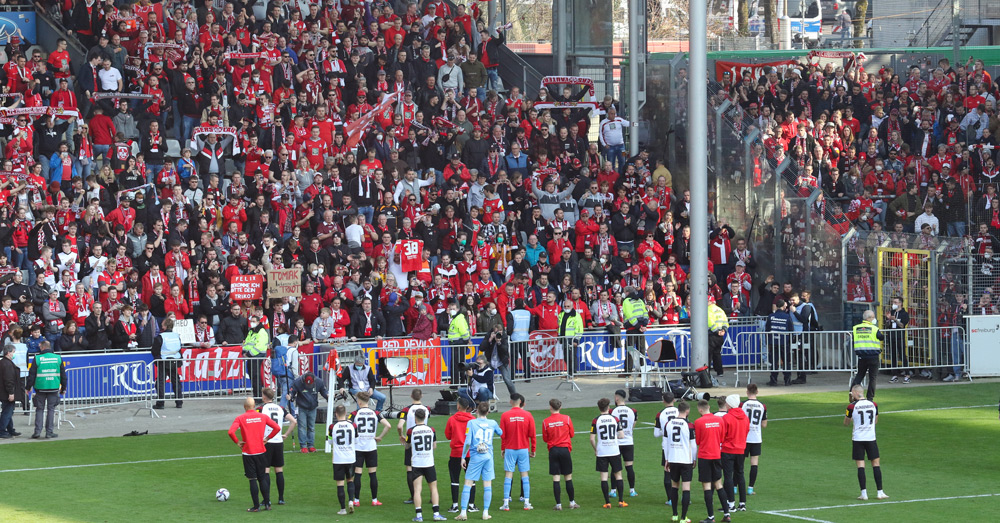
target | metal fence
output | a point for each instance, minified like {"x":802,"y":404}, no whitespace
{"x":114,"y":384}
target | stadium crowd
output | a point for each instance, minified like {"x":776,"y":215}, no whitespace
{"x":457,"y":191}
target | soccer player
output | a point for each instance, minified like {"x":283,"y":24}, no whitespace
{"x":517,"y":445}
{"x":479,"y":446}
{"x":344,"y":434}
{"x":668,"y":413}
{"x":626,"y":417}
{"x":275,"y":448}
{"x":680,"y":450}
{"x":733,"y":450}
{"x":407,"y":420}
{"x":421,"y":441}
{"x":604,"y":436}
{"x":757,"y":414}
{"x":864,"y":414}
{"x":454,"y":430}
{"x":557,"y":433}
{"x":709,"y":433}
{"x":252,"y":426}
{"x":367,"y":421}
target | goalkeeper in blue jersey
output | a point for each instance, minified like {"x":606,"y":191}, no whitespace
{"x":479,"y":442}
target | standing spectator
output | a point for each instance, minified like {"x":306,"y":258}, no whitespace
{"x":47,"y":375}
{"x":896,"y":321}
{"x":166,"y":352}
{"x":10,"y":385}
{"x":305,"y":392}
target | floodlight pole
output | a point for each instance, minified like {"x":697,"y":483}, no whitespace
{"x":698,"y":169}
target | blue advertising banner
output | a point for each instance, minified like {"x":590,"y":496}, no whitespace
{"x":19,"y":25}
{"x":120,"y":375}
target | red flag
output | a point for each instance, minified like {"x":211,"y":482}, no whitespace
{"x":356,"y":129}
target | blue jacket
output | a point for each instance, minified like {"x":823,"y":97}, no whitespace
{"x":56,"y":172}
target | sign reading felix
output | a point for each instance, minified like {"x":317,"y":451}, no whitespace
{"x":284,"y":282}
{"x":246,"y":287}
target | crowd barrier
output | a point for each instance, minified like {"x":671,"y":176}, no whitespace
{"x":911,"y":349}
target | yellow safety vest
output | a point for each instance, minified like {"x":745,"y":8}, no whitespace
{"x":256,"y":343}
{"x":634,"y":311}
{"x":458,"y":329}
{"x":866,"y":342}
{"x":574,"y":326}
{"x":717,"y":319}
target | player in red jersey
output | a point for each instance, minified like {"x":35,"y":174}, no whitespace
{"x":557,"y":433}
{"x":709,"y":432}
{"x":252,"y":426}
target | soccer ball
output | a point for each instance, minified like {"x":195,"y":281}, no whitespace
{"x":222,"y":494}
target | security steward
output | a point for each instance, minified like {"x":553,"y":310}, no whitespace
{"x":636,"y":318}
{"x":570,"y":330}
{"x":868,"y":348}
{"x":458,"y":340}
{"x":47,"y":375}
{"x":718,"y":322}
{"x":167,"y":357}
{"x":780,"y":321}
{"x":254,"y":351}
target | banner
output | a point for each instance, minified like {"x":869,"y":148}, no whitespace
{"x":426,"y":364}
{"x":568,"y":80}
{"x":245,"y":56}
{"x":131,"y":96}
{"x":211,"y":364}
{"x":984,"y":345}
{"x":736,"y":69}
{"x":124,"y":374}
{"x":284,"y":282}
{"x":185,"y":329}
{"x":356,"y":130}
{"x":205,"y":129}
{"x":246,"y":287}
{"x":39,"y":111}
{"x":18,"y":27}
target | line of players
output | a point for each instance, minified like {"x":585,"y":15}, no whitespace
{"x":719,"y":443}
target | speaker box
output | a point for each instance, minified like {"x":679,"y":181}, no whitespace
{"x":444,"y":408}
{"x":321,"y":417}
{"x":645,"y":394}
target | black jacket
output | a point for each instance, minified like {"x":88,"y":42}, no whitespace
{"x":358,"y":323}
{"x":232,"y":330}
{"x":98,"y":332}
{"x":498,"y":344}
{"x":72,"y":342}
{"x":10,"y":378}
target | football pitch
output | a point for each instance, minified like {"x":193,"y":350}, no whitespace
{"x":938,"y":447}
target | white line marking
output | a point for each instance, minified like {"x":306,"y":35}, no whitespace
{"x":884,"y":412}
{"x":802,"y":518}
{"x":877,"y":503}
{"x":60,"y":467}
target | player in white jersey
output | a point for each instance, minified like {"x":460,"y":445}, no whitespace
{"x":479,"y":447}
{"x":408,"y":420}
{"x":421,"y":441}
{"x":627,"y":417}
{"x":344,"y":434}
{"x":757,"y":413}
{"x":864,"y":414}
{"x":605,"y":434}
{"x":680,"y":452}
{"x":366,"y":448}
{"x":668,"y":413}
{"x":274,"y":454}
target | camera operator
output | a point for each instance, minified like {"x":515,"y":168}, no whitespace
{"x":480,"y":381}
{"x":496,"y":348}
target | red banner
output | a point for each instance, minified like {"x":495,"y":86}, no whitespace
{"x":211,"y":364}
{"x":306,"y":353}
{"x":424,"y":355}
{"x":246,"y":287}
{"x":356,"y":130}
{"x":736,"y":69}
{"x":545,"y":353}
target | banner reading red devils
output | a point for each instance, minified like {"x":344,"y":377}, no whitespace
{"x":736,"y":69}
{"x":424,"y":356}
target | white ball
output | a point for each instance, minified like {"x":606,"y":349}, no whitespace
{"x":222,"y":494}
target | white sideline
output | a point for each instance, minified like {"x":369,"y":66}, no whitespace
{"x":785,"y":512}
{"x":166,"y":460}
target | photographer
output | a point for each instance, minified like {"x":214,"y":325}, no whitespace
{"x":480,"y":381}
{"x":496,"y":349}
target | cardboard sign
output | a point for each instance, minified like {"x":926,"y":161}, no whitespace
{"x":284,"y":282}
{"x":246,"y":287}
{"x":185,"y":329}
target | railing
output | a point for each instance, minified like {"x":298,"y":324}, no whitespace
{"x":935,"y":25}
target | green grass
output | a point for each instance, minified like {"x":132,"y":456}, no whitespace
{"x":806,"y":463}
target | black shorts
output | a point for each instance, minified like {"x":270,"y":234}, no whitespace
{"x":274,"y":454}
{"x":709,"y":470}
{"x":865,"y":447}
{"x":681,"y":472}
{"x":342,"y":471}
{"x":615,"y":462}
{"x":366,"y":458}
{"x":628,"y":452}
{"x":753,"y":449}
{"x":560,"y":461}
{"x":254,"y":465}
{"x":429,"y":473}
{"x":407,"y":456}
